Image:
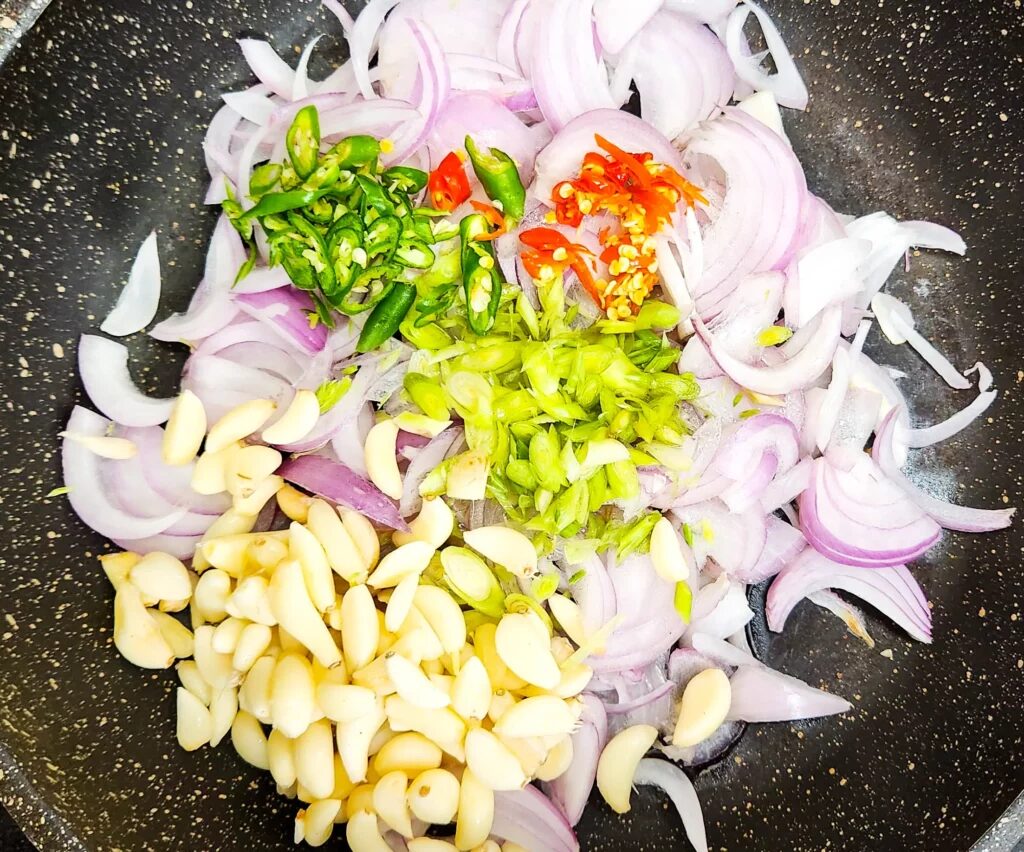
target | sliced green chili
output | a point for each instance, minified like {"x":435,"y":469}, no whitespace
{"x":500,"y":179}
{"x":303,"y":141}
{"x":387,"y":316}
{"x":481,"y":276}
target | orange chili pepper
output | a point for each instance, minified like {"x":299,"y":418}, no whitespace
{"x":629,"y":161}
{"x":495,"y":217}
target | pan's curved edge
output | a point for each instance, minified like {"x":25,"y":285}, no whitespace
{"x":16,"y":19}
{"x":1007,"y":833}
{"x":46,"y":828}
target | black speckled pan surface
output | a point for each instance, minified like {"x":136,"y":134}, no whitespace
{"x":916,"y":108}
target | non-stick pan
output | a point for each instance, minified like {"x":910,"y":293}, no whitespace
{"x":916,"y":108}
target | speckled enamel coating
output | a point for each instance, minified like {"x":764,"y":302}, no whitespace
{"x":916,"y":108}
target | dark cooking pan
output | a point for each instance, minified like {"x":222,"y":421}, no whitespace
{"x":916,"y":108}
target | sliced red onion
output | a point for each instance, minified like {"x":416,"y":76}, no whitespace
{"x":760,"y":694}
{"x":786,"y":83}
{"x":300,"y":84}
{"x":787,"y":487}
{"x":825,"y":275}
{"x":795,"y":373}
{"x":103,"y":366}
{"x":420,"y":467}
{"x":349,"y":443}
{"x":616,"y":23}
{"x":434,"y":85}
{"x":217,"y":142}
{"x":892,"y":591}
{"x":565,"y":153}
{"x":945,"y":514}
{"x":595,"y":595}
{"x":859,"y":517}
{"x":490,"y":123}
{"x":756,"y":216}
{"x":783,"y":543}
{"x":340,"y":484}
{"x":181,"y":547}
{"x":927,"y":436}
{"x":362,"y":39}
{"x":752,"y":308}
{"x":569,"y":76}
{"x":735,"y":542}
{"x":846,"y":612}
{"x":528,"y":818}
{"x":172,"y":482}
{"x":253,"y":105}
{"x":222,"y":384}
{"x":709,"y":751}
{"x":855,"y":422}
{"x":679,"y":788}
{"x":262,"y":279}
{"x":705,"y":11}
{"x":571,"y":790}
{"x":843,"y":363}
{"x":287,"y":310}
{"x":681,"y":70}
{"x":137,"y":304}
{"x":377,"y":118}
{"x":84,"y":479}
{"x":720,"y":609}
{"x":269,"y":68}
{"x":628,"y":707}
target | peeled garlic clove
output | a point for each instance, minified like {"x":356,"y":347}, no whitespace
{"x":254,"y":694}
{"x":252,"y":643}
{"x":509,"y":846}
{"x":430,"y":844}
{"x":703,"y":708}
{"x":557,"y":762}
{"x":117,"y":566}
{"x":467,"y":476}
{"x":177,"y":635}
{"x":471,"y":691}
{"x":484,"y":645}
{"x":362,"y":833}
{"x":239,"y":423}
{"x":476,"y":812}
{"x":223,"y":709}
{"x":104,"y":446}
{"x":136,"y":633}
{"x":297,"y":422}
{"x":530,"y":752}
{"x":251,"y":601}
{"x":492,"y":762}
{"x":319,"y":819}
{"x":215,"y":668}
{"x":434,"y":796}
{"x":209,"y":476}
{"x":354,"y":742}
{"x":360,"y":629}
{"x":194,"y":724}
{"x":412,"y":684}
{"x":188,"y":674}
{"x":247,"y":467}
{"x":261,"y":494}
{"x":226,"y":635}
{"x":249,"y":740}
{"x":381,"y":458}
{"x":294,"y":503}
{"x":408,"y":560}
{"x":161,"y":577}
{"x":344,"y":557}
{"x":291,"y":606}
{"x":390,"y":804}
{"x":443,"y":615}
{"x":314,"y":759}
{"x":363,"y":535}
{"x":570,"y":619}
{"x":617,"y":764}
{"x":667,"y":553}
{"x":400,"y":603}
{"x":442,"y":726}
{"x":410,"y":752}
{"x":345,"y":702}
{"x":506,"y":547}
{"x":539,"y":716}
{"x":306,"y":548}
{"x":281,"y":756}
{"x":211,"y":595}
{"x":417,"y":638}
{"x":292,"y":695}
{"x":434,"y":524}
{"x":185,"y":429}
{"x":526,"y":649}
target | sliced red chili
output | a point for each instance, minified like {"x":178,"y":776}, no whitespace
{"x":494,"y":217}
{"x":629,"y":161}
{"x":448,"y":185}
